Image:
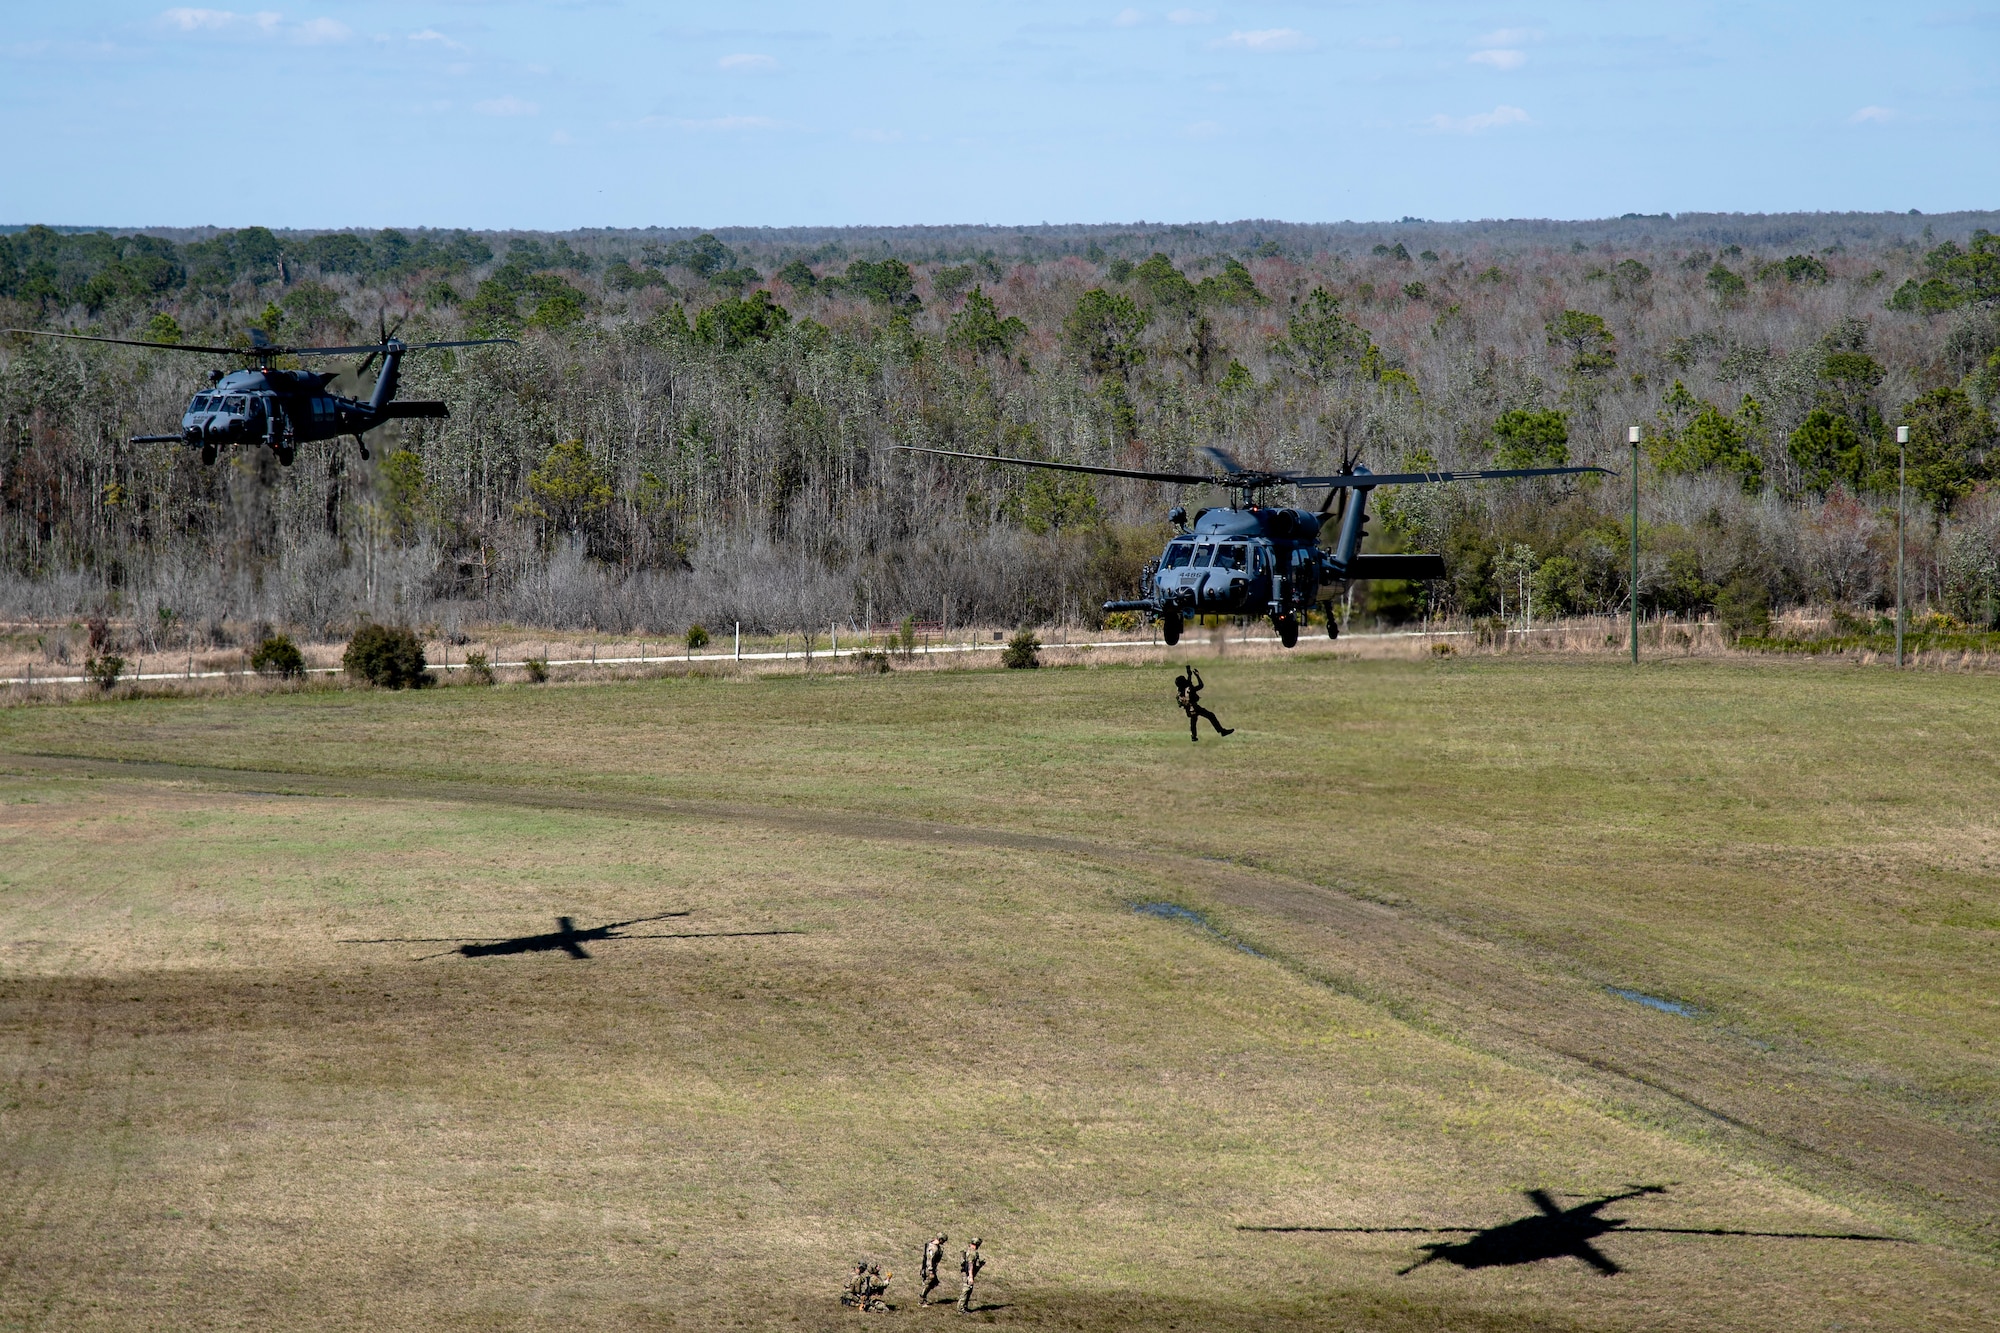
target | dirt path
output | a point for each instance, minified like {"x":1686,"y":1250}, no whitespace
{"x":1818,"y":1124}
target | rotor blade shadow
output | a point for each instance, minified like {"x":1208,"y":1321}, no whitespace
{"x":1555,"y":1232}
{"x":710,"y":935}
{"x":567,"y":938}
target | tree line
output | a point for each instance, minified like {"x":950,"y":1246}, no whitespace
{"x":702,"y":427}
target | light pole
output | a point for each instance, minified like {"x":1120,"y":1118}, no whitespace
{"x":1632,"y":436}
{"x":1902,"y":459}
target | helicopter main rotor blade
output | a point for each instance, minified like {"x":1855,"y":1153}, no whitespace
{"x":1186,"y":478}
{"x":1350,"y":479}
{"x":265,"y":350}
{"x":131,"y":342}
{"x":378,"y":348}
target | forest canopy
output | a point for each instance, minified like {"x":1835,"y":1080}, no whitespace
{"x":697,"y":426}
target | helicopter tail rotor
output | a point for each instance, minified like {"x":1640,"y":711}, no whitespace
{"x":1336,"y":496}
{"x":382,"y":328}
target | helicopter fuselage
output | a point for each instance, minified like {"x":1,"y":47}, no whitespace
{"x":272,"y":407}
{"x":282,"y":409}
{"x":1254,"y":560}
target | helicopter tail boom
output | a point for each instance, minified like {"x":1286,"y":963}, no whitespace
{"x":385,"y":383}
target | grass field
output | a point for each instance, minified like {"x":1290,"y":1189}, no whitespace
{"x":1406,"y":891}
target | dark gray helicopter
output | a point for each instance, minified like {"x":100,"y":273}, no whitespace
{"x":282,"y":409}
{"x":1247,"y":559}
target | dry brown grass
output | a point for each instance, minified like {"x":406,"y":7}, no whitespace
{"x":217,"y":1114}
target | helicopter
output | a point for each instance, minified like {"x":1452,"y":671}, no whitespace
{"x":1249,"y":559}
{"x":282,"y":409}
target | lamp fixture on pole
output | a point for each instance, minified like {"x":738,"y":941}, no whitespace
{"x":1902,"y":459}
{"x":1632,"y":436}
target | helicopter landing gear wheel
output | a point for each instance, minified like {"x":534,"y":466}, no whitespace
{"x":1170,"y":628}
{"x":208,"y":455}
{"x":1332,"y":623}
{"x":286,"y":455}
{"x":1288,"y":630}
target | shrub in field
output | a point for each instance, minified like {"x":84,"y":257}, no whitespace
{"x":538,"y":669}
{"x":1022,"y":652}
{"x":104,"y":671}
{"x":390,"y":658}
{"x":869,"y":662}
{"x":278,"y":656}
{"x":1744,"y":606}
{"x":697,"y":638}
{"x":1122,"y":622}
{"x":477,"y":670}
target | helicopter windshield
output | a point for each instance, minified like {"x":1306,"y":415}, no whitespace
{"x":1229,"y":557}
{"x":1177,"y":555}
{"x":235,"y":405}
{"x":200,"y":403}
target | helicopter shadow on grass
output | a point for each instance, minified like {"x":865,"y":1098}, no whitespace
{"x":567,"y":938}
{"x":1555,"y":1232}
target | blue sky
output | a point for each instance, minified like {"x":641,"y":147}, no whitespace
{"x":507,"y":113}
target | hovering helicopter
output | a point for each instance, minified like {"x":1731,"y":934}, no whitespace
{"x":1247,"y":559}
{"x":282,"y":409}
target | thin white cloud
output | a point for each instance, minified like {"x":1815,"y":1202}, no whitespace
{"x":1500,"y":58}
{"x":713,"y":124}
{"x":1508,"y":37}
{"x":433,"y":35}
{"x":263,"y":23}
{"x":747,"y":62}
{"x":506,"y":106}
{"x":1129,"y":18}
{"x":878,"y":136}
{"x":321,"y":30}
{"x":208,"y":20}
{"x":1479,"y":122}
{"x":1202,"y":129}
{"x":561,"y":139}
{"x":1873,"y":115}
{"x":1268,"y":41}
{"x":1187,"y":17}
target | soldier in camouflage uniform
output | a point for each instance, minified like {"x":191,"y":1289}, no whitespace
{"x":1187,"y":693}
{"x":968,"y":1267}
{"x":857,"y":1285}
{"x":874,"y":1285}
{"x":933,"y":1260}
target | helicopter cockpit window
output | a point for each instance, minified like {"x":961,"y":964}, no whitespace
{"x":236,"y":405}
{"x":1177,"y":555}
{"x":200,"y":403}
{"x":1229,"y":557}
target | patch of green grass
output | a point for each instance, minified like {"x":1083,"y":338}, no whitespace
{"x":1966,"y":641}
{"x":982,"y":1035}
